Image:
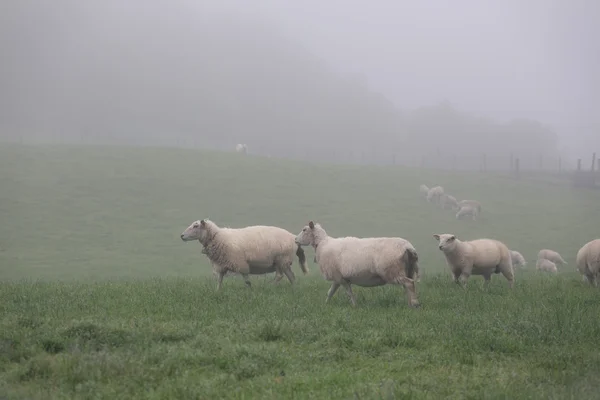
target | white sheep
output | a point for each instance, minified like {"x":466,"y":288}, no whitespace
{"x":448,"y":202}
{"x":434,"y":194}
{"x":543,"y":264}
{"x":517,"y":259}
{"x":552,"y":256}
{"x":241,"y":148}
{"x":471,"y":203}
{"x":364,"y":262}
{"x":423,"y":189}
{"x":253,"y":250}
{"x":588,"y":261}
{"x":476,"y":257}
{"x":467,"y":211}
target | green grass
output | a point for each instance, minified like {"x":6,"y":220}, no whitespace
{"x":100,"y":298}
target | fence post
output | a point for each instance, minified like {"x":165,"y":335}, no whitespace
{"x":579,"y":164}
{"x":517,"y":167}
{"x":559,"y":164}
{"x":593,"y":162}
{"x":512,"y":162}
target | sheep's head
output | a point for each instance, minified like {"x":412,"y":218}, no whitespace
{"x":447,"y":241}
{"x":196,"y":231}
{"x":307,"y":236}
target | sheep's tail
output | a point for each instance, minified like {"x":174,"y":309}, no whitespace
{"x":302,"y":259}
{"x":411,"y":262}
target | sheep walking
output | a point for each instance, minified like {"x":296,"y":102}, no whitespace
{"x":467,"y":211}
{"x":423,"y":190}
{"x":470,"y":203}
{"x":517,"y":259}
{"x":253,"y":250}
{"x":241,"y":148}
{"x":434,"y":194}
{"x":588,"y":261}
{"x":365,"y":262}
{"x":543,"y":264}
{"x":448,"y":202}
{"x":552,"y":256}
{"x":476,"y":257}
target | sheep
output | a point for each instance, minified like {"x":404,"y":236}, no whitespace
{"x":241,"y":148}
{"x":253,"y":250}
{"x":517,"y":259}
{"x":543,"y":264}
{"x":552,"y":256}
{"x":434,"y":194}
{"x":423,"y":189}
{"x":467,"y":210}
{"x":365,"y":262}
{"x":476,"y":257}
{"x":588,"y":261}
{"x":448,"y":202}
{"x":471,"y":203}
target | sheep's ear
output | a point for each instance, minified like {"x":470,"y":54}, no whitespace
{"x":203,"y":223}
{"x":436,"y":236}
{"x":311,"y":225}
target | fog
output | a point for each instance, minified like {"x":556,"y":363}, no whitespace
{"x":344,"y":81}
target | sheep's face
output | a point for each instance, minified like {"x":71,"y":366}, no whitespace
{"x":307,"y":236}
{"x":447,"y":241}
{"x":196,"y":231}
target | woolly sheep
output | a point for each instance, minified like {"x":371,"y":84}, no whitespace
{"x":471,"y":203}
{"x":448,"y":202}
{"x":423,"y":189}
{"x":365,"y":262}
{"x":434,"y":194}
{"x":253,"y":250}
{"x":588,"y":261}
{"x":552,"y":256}
{"x":467,"y":211}
{"x":517,"y":259}
{"x":543,"y":264}
{"x":241,"y":148}
{"x":476,"y":257}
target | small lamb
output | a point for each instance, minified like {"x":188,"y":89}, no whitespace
{"x":517,"y":259}
{"x":552,"y":256}
{"x":434,"y":195}
{"x":543,"y":264}
{"x":467,"y":211}
{"x":476,"y":257}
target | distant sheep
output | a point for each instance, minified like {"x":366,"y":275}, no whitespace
{"x":364,"y":262}
{"x":241,"y":148}
{"x":588,"y":261}
{"x":543,"y":264}
{"x":434,"y":194}
{"x":448,"y":202}
{"x":476,"y":257}
{"x":552,"y":256}
{"x":423,"y":189}
{"x":467,"y":211}
{"x":470,"y":203}
{"x":253,"y":250}
{"x":517,"y":259}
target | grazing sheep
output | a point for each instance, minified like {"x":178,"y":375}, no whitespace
{"x":241,"y":148}
{"x":467,"y":211}
{"x":517,"y":259}
{"x":364,"y":262}
{"x":588,"y":261}
{"x":253,"y":250}
{"x":543,"y":264}
{"x":448,"y":202}
{"x":476,"y":257}
{"x":552,"y":256}
{"x":434,"y":194}
{"x":423,"y":189}
{"x":471,"y":203}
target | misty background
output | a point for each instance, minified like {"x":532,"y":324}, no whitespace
{"x":343,"y":81}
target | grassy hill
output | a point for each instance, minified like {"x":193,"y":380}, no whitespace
{"x":100,"y":297}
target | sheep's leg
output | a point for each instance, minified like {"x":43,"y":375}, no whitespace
{"x":464,"y":276}
{"x":409,"y":288}
{"x":278,"y":276}
{"x":334,"y":287}
{"x":348,"y":288}
{"x":220,"y":276}
{"x":487,"y":278}
{"x":508,"y":273}
{"x":290,"y":274}
{"x":247,"y":280}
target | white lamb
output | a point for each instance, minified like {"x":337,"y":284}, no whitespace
{"x":543,"y":264}
{"x":423,"y":189}
{"x":476,"y":257}
{"x":364,"y":262}
{"x":588,"y":261}
{"x":448,"y":202}
{"x":241,"y":148}
{"x":552,"y":256}
{"x":467,"y":211}
{"x":470,"y":203}
{"x":434,"y":194}
{"x":253,"y":250}
{"x":517,"y":259}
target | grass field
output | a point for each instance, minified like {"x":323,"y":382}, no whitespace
{"x":99,"y":298}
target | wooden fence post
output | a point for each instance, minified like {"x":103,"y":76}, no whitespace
{"x":579,"y":164}
{"x":517,"y":167}
{"x":593,"y":162}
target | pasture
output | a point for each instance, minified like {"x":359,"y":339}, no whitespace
{"x":99,"y":297}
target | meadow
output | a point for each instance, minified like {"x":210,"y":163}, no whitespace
{"x":99,"y":297}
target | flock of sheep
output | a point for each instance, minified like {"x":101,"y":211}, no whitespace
{"x":368,"y":262}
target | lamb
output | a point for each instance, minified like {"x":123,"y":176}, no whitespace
{"x":423,"y":189}
{"x":552,"y":256}
{"x":517,"y":259}
{"x":253,"y":250}
{"x":476,"y":257}
{"x":471,"y":203}
{"x":365,"y":262}
{"x":588,"y":261}
{"x":241,"y":148}
{"x":543,"y":264}
{"x":448,"y":202}
{"x":434,"y":194}
{"x":467,"y":211}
